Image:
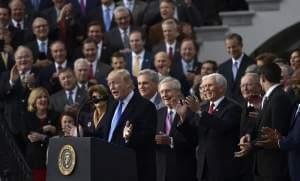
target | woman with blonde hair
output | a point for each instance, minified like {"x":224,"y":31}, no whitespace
{"x":92,"y":122}
{"x":40,"y":124}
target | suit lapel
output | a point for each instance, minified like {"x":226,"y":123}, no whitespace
{"x":161,"y":120}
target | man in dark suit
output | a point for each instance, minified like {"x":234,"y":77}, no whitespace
{"x":95,"y":30}
{"x":175,"y":156}
{"x":137,"y":9}
{"x":234,"y":68}
{"x":20,"y":23}
{"x":129,"y":127}
{"x":40,"y":46}
{"x":187,"y":64}
{"x":81,"y":70}
{"x":138,"y":58}
{"x":15,"y":89}
{"x":184,"y":11}
{"x":64,"y":23}
{"x":118,"y":38}
{"x":148,"y":87}
{"x":104,"y":13}
{"x":217,"y":124}
{"x":98,"y":70}
{"x":70,"y":97}
{"x":289,"y":143}
{"x":49,"y":74}
{"x":252,"y":93}
{"x":169,"y":41}
{"x":269,"y":164}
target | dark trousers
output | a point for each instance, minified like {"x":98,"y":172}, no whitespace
{"x":260,"y":178}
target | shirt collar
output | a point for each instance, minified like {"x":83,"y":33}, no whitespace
{"x":40,"y":41}
{"x":74,"y":91}
{"x":239,"y":60}
{"x":63,"y":65}
{"x":154,"y":98}
{"x":270,"y":90}
{"x":111,"y":7}
{"x":217,"y":102}
{"x":173,"y":45}
{"x":127,"y":99}
{"x":141,"y":54}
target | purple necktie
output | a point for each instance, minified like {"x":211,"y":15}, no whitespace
{"x":169,"y":122}
{"x":82,"y":7}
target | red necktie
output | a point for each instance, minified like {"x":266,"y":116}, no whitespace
{"x":211,"y":108}
{"x":91,"y":74}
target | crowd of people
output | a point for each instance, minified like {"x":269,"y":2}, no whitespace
{"x":128,"y":73}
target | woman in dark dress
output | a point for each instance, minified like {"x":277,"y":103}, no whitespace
{"x":40,"y":125}
{"x":92,"y":122}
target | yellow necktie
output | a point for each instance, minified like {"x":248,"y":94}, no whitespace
{"x":4,"y":58}
{"x":136,"y":66}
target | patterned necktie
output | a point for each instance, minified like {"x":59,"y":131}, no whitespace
{"x":169,"y":122}
{"x":136,"y":65}
{"x":125,"y":39}
{"x":115,"y":121}
{"x":70,"y":98}
{"x":235,"y":69}
{"x":107,"y":20}
{"x":211,"y":108}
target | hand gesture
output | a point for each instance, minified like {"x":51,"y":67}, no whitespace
{"x":49,"y":129}
{"x":35,"y":137}
{"x":268,"y":138}
{"x":162,"y":139}
{"x":30,"y":80}
{"x":181,"y":109}
{"x":244,"y":145}
{"x":127,"y":131}
{"x":14,"y":73}
{"x":193,"y":103}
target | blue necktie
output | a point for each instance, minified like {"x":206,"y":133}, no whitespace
{"x":107,"y":20}
{"x":235,"y":69}
{"x":35,"y":4}
{"x":43,"y":47}
{"x":70,"y":98}
{"x":115,"y":121}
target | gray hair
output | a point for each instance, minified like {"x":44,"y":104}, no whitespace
{"x":175,"y":84}
{"x":121,"y":9}
{"x":253,"y":75}
{"x":219,"y":78}
{"x":80,"y":61}
{"x":252,"y":69}
{"x":151,"y":74}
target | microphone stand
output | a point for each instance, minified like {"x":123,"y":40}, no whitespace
{"x":78,"y":114}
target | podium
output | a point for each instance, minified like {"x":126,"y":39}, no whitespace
{"x":89,"y":159}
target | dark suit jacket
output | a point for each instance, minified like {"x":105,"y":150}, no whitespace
{"x":90,"y":5}
{"x":233,"y":86}
{"x":10,"y":63}
{"x":14,"y":99}
{"x":96,"y":14}
{"x":275,"y":114}
{"x":178,"y":163}
{"x":162,"y":47}
{"x":185,"y":14}
{"x":139,"y":8}
{"x":34,"y":47}
{"x":36,"y":152}
{"x":113,"y":39}
{"x":44,"y":4}
{"x":218,"y":135}
{"x":147,"y":61}
{"x":142,"y":138}
{"x":52,"y":85}
{"x":21,"y":37}
{"x":291,"y":144}
{"x":59,"y":100}
{"x":102,"y":70}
